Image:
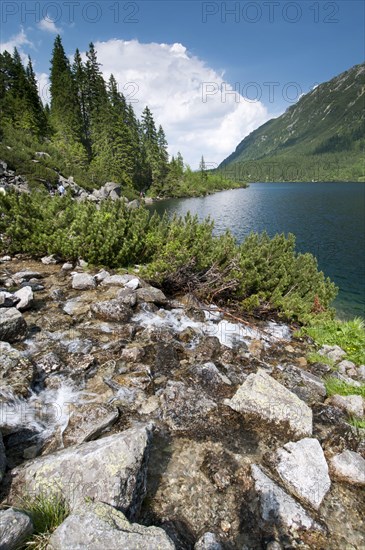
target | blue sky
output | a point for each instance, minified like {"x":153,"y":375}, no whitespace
{"x":184,"y":57}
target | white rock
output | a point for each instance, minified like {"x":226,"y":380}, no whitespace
{"x":26,"y":297}
{"x":348,"y":466}
{"x":267,"y":399}
{"x":49,"y":260}
{"x":352,"y":404}
{"x":277,"y":506}
{"x":361,"y":372}
{"x":304,"y":471}
{"x":117,"y":280}
{"x":133,"y":284}
{"x":208,"y":542}
{"x":83,"y":281}
{"x":67,"y":267}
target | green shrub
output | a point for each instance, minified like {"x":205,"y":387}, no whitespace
{"x":314,"y":357}
{"x":181,"y":252}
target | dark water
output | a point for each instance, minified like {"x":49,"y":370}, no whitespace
{"x":328,"y":220}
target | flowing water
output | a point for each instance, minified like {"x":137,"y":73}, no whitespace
{"x":328,"y":220}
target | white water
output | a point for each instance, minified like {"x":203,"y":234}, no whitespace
{"x":229,"y":334}
{"x":43,"y":412}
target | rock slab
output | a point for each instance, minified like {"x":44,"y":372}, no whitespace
{"x":15,"y":527}
{"x":262,"y":396}
{"x":277,"y":506}
{"x":349,"y":466}
{"x":112,"y":469}
{"x":98,"y":525}
{"x":304,"y":471}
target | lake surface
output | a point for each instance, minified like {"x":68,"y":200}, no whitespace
{"x":328,"y":220}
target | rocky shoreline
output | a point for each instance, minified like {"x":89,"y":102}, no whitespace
{"x":166,"y":425}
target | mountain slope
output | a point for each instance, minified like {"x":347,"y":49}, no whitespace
{"x":321,"y":137}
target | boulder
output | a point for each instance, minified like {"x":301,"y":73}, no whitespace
{"x":152,"y":295}
{"x":361,"y":372}
{"x":266,"y":399}
{"x":133,"y":284}
{"x":304,"y":471}
{"x":83,"y":281}
{"x":117,"y":280}
{"x":208,"y":542}
{"x":348,"y":466}
{"x":333,"y":352}
{"x":67,"y":266}
{"x":112,"y":469}
{"x":13,"y":326}
{"x":351,"y":404}
{"x":87,"y":422}
{"x":345,"y":365}
{"x":97,"y":525}
{"x":15,"y":527}
{"x":103,"y":274}
{"x":16,"y":371}
{"x":111,"y":310}
{"x":25,"y":296}
{"x":277,"y":507}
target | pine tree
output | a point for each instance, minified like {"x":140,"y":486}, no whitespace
{"x":79,"y":75}
{"x":203,"y":170}
{"x":65,"y":112}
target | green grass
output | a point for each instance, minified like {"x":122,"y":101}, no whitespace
{"x":315,"y":357}
{"x":47,"y":513}
{"x":349,"y":335}
{"x":358,"y":423}
{"x":334,"y":386}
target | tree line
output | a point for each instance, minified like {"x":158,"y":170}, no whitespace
{"x":88,"y":121}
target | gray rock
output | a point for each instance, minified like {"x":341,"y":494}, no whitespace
{"x":117,"y":280}
{"x":15,"y":527}
{"x":352,"y":404}
{"x":304,"y":471}
{"x":151,"y":295}
{"x":361,"y":372}
{"x":313,"y":382}
{"x":127,"y":296}
{"x":263,"y":397}
{"x":13,"y":326}
{"x":2,"y":458}
{"x":27,"y":275}
{"x":208,"y":542}
{"x":133,"y":204}
{"x":83,"y":281}
{"x":82,"y":263}
{"x":111,"y":310}
{"x":345,"y":365}
{"x":87,"y":422}
{"x":96,"y":526}
{"x":8,"y":300}
{"x":25,"y":296}
{"x":50,"y":260}
{"x":5,"y":259}
{"x":333,"y":352}
{"x":277,"y":506}
{"x":112,"y":469}
{"x":16,"y":371}
{"x":348,"y":466}
{"x":67,"y":267}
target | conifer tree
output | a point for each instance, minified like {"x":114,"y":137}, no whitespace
{"x":65,"y":112}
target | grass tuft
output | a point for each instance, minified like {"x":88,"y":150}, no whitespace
{"x":334,"y":386}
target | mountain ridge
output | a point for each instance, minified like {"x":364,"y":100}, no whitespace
{"x":324,"y":128}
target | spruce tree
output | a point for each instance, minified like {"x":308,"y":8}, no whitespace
{"x":65,"y":112}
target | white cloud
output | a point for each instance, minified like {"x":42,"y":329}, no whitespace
{"x":17,"y":41}
{"x":48,"y":25}
{"x":172,"y":82}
